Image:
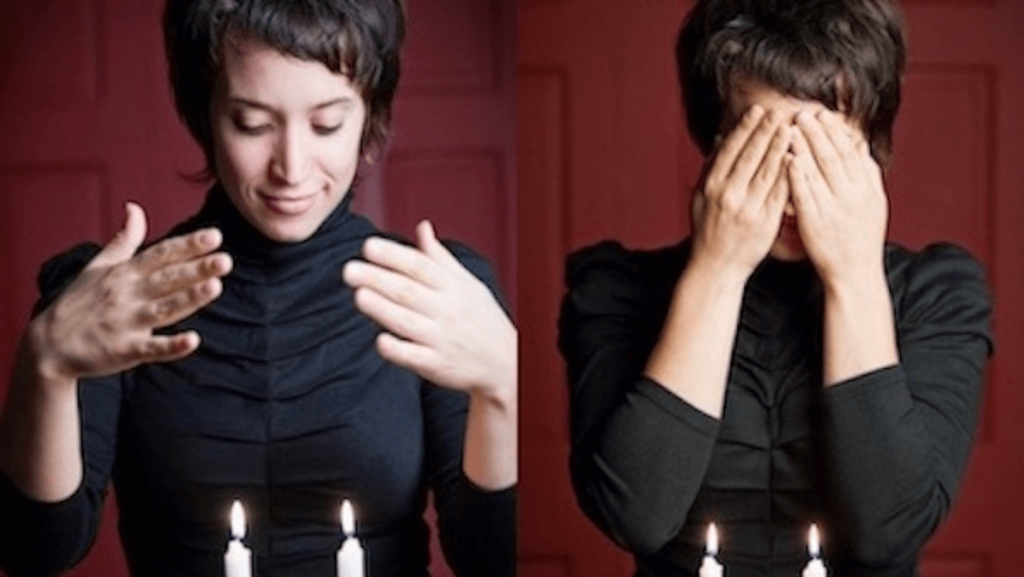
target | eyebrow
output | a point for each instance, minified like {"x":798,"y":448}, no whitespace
{"x":345,"y":101}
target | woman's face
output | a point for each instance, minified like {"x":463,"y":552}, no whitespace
{"x":746,"y":93}
{"x":286,"y":138}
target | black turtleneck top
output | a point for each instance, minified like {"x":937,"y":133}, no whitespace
{"x":875,"y":461}
{"x":286,"y":406}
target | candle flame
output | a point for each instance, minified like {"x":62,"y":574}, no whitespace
{"x":712,"y":541}
{"x":813,"y":541}
{"x":348,"y":519}
{"x":237,"y":520}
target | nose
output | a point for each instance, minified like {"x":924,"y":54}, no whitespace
{"x":790,"y":210}
{"x":290,"y":164}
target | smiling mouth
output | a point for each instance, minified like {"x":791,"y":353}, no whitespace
{"x":288,"y":206}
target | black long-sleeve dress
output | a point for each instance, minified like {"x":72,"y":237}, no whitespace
{"x":875,"y":461}
{"x":286,"y":406}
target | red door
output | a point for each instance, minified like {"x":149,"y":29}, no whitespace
{"x":604,"y":153}
{"x":87,"y":123}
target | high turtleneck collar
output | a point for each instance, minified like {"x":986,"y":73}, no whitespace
{"x":784,"y":280}
{"x":243,"y":241}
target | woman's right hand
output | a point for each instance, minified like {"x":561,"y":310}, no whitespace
{"x":738,"y":210}
{"x":103,"y":322}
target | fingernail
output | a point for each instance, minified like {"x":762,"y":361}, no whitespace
{"x":756,"y":111}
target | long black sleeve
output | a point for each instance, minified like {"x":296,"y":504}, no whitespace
{"x":898,"y":440}
{"x":477,"y":527}
{"x":46,"y":538}
{"x":639,"y":452}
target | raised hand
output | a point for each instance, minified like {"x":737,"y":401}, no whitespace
{"x":836,"y":186}
{"x":103,"y":322}
{"x":440,"y":320}
{"x":738,"y":211}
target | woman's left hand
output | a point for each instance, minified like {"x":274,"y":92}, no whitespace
{"x":836,"y":187}
{"x":440,"y":320}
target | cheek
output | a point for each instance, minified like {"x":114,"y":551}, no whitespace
{"x":342,"y":154}
{"x":240,"y":159}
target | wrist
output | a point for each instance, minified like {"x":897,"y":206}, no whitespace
{"x":500,"y":397}
{"x":727,"y":277}
{"x":500,"y":389}
{"x":39,"y":362}
{"x":855,"y":282}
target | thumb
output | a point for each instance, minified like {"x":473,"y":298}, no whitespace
{"x":124,"y":244}
{"x":426,"y":239}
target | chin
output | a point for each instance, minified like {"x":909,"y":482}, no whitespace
{"x":788,"y":249}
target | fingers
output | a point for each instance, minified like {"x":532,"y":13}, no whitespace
{"x":829,"y":147}
{"x":753,"y":153}
{"x":733,"y":145}
{"x":178,"y":306}
{"x":179,"y":249}
{"x":163,"y":349}
{"x":768,"y":173}
{"x":395,"y":318}
{"x":396,"y":287}
{"x":420,"y":359}
{"x":406,"y":260}
{"x":809,"y":167}
{"x":799,"y":189}
{"x":178,"y":277}
{"x":124,"y":244}
{"x":426,"y":239}
{"x":779,"y":194}
{"x":874,"y":171}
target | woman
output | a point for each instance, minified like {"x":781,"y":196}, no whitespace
{"x":783,"y":366}
{"x":231,"y":360}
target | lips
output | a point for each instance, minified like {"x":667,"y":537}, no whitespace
{"x":288,"y":205}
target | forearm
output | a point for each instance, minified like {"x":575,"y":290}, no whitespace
{"x":637,"y":476}
{"x":490,"y":453}
{"x":691,"y":359}
{"x":859,"y":331}
{"x":40,"y":441}
{"x":889,"y":481}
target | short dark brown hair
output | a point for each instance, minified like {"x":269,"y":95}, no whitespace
{"x":847,"y":54}
{"x":358,"y":38}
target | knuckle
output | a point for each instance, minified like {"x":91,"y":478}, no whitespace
{"x":403,"y":295}
{"x":161,"y":250}
{"x":730,"y":203}
{"x":195,"y":241}
{"x":197,"y":294}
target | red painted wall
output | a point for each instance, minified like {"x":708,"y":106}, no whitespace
{"x":604,"y":153}
{"x":87,"y":122}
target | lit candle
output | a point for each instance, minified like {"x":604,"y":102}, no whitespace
{"x":350,"y":555}
{"x":814,"y":568}
{"x":238,"y":559}
{"x":710,"y":567}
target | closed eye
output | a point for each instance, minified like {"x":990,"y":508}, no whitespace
{"x":327,"y":130}
{"x":250,"y":130}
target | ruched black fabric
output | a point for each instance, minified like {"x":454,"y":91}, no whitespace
{"x":874,"y":461}
{"x":285,"y":406}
